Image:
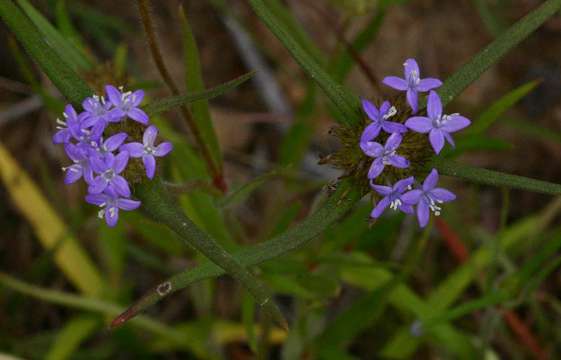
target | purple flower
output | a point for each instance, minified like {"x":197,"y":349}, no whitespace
{"x":126,"y":104}
{"x":380,"y":120}
{"x":438,"y":126}
{"x":412,"y":83}
{"x":71,"y":120}
{"x":428,"y":198}
{"x":384,"y":155}
{"x":81,"y":166}
{"x":110,"y":203}
{"x":392,"y":197}
{"x":111,"y":144}
{"x":109,"y":168}
{"x":97,"y":113}
{"x":148,"y":151}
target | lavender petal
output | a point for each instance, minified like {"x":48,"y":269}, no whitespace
{"x":150,"y":165}
{"x":423,"y":213}
{"x":138,"y":115}
{"x":443,"y":195}
{"x":380,"y":207}
{"x":428,"y":84}
{"x":395,"y":83}
{"x":376,"y":168}
{"x":455,"y":123}
{"x":436,"y":140}
{"x":430,"y":181}
{"x":163,"y":149}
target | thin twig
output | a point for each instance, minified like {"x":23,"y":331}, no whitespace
{"x":214,"y":169}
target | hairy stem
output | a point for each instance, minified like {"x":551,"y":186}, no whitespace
{"x":214,"y":169}
{"x":161,"y":207}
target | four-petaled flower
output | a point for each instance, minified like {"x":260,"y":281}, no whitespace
{"x":392,"y":197}
{"x":126,"y":104}
{"x":110,"y":202}
{"x":384,"y":155}
{"x":438,"y":125}
{"x":412,"y":83}
{"x":108,"y":145}
{"x":97,"y":113}
{"x":109,"y":168}
{"x":380,"y":120}
{"x":147,"y":150}
{"x":64,"y":127}
{"x":428,"y":198}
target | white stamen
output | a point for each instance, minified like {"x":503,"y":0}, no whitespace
{"x":100,"y":213}
{"x":391,"y":112}
{"x":60,"y":122}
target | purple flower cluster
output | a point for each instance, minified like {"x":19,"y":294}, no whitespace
{"x":101,"y":161}
{"x":404,"y":195}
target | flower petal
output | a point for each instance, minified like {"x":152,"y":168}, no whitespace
{"x":436,"y":140}
{"x":420,"y":124}
{"x":135,"y":149}
{"x":150,"y":165}
{"x":398,"y":161}
{"x":449,"y":138}
{"x":410,"y":66}
{"x":370,"y":132}
{"x":455,"y":122}
{"x":112,"y":216}
{"x":138,"y":115}
{"x":402,"y":184}
{"x":73,"y":174}
{"x":137,"y":97}
{"x":113,"y":142}
{"x":434,"y":105}
{"x":96,"y":199}
{"x":428,"y":84}
{"x":412,"y":197}
{"x":413,"y":100}
{"x":380,"y":207}
{"x":372,"y":149}
{"x":163,"y":149}
{"x":128,"y":204}
{"x":423,"y":213}
{"x":370,"y":110}
{"x":121,"y":161}
{"x":430,"y":181}
{"x":381,"y":189}
{"x":62,"y":136}
{"x":376,"y":168}
{"x":384,"y":108}
{"x":121,"y":186}
{"x":407,"y":209}
{"x":97,"y":185}
{"x":73,"y":152}
{"x":393,"y":142}
{"x":114,"y":95}
{"x":393,"y":127}
{"x":395,"y":82}
{"x":443,"y":195}
{"x":97,"y":164}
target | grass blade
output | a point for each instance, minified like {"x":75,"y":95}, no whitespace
{"x":344,"y":101}
{"x":194,"y":81}
{"x":61,"y":45}
{"x":492,"y":114}
{"x":496,"y":50}
{"x":495,"y":178}
{"x":49,"y":228}
{"x":65,"y":79}
{"x":172,"y":102}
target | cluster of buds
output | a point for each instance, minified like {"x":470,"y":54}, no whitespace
{"x":406,"y":194}
{"x":100,"y":156}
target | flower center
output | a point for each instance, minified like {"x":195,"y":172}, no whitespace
{"x":109,"y":174}
{"x":394,"y":205}
{"x":434,"y":204}
{"x":414,"y":79}
{"x":386,"y":156}
{"x":149,"y":150}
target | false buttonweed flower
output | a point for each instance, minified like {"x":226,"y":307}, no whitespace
{"x":99,"y":153}
{"x":410,"y":141}
{"x":412,"y":83}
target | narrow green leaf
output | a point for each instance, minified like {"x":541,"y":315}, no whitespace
{"x":533,"y":130}
{"x":64,"y":78}
{"x":344,"y":101}
{"x":171,"y":102}
{"x":194,"y":81}
{"x":472,"y":71}
{"x":65,"y":49}
{"x":74,"y":332}
{"x":495,"y":178}
{"x":492,"y":114}
{"x":492,"y":22}
{"x":248,"y":319}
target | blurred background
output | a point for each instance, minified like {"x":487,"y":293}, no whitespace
{"x":357,"y":291}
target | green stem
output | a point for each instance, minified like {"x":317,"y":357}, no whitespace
{"x":495,"y":178}
{"x":160,"y":205}
{"x":336,"y":206}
